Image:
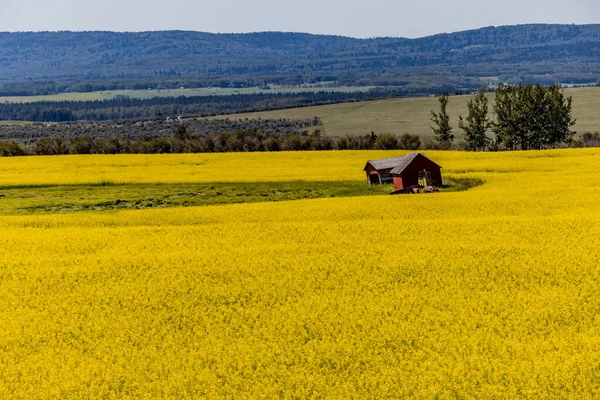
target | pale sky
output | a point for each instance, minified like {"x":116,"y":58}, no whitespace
{"x":357,"y":18}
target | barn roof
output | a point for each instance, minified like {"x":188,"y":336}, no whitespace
{"x":385,"y":163}
{"x":405,"y":162}
{"x":396,"y":164}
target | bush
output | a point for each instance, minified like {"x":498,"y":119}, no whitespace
{"x":50,"y":147}
{"x":409,"y":142}
{"x":366,"y":142}
{"x":151,"y":146}
{"x":81,"y":145}
{"x":11,"y":149}
{"x":342,"y":143}
{"x":113,"y":145}
{"x":386,"y":141}
{"x":436,"y":145}
{"x":292,"y":143}
{"x":317,"y":142}
{"x":272,"y":144}
{"x":587,"y":139}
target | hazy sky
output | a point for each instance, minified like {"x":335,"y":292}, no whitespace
{"x":358,"y":18}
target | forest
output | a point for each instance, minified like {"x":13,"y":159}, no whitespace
{"x":52,"y":62}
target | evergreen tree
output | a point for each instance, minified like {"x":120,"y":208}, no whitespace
{"x":442,"y":129}
{"x":477,"y":122}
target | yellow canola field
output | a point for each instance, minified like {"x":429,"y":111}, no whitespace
{"x":489,"y":293}
{"x":252,"y":167}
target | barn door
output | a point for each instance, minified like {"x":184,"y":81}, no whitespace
{"x":425,"y":178}
{"x":374,"y":179}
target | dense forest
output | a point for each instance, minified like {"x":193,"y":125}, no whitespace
{"x":50,"y":62}
{"x":123,"y":107}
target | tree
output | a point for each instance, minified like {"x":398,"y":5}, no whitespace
{"x":386,"y":141}
{"x":442,"y":129}
{"x":409,"y":142}
{"x":477,"y":122}
{"x":530,"y":116}
{"x":559,"y":117}
{"x":372,"y":138}
{"x":10,"y":149}
{"x":51,"y":146}
{"x":81,"y":145}
{"x":182,"y":133}
{"x":507,"y":127}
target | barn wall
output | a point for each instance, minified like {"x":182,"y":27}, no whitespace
{"x":410,"y":176}
{"x":398,"y":185}
{"x":384,"y":173}
{"x":436,"y":177}
{"x":370,"y":171}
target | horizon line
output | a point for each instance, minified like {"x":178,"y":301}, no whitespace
{"x":295,"y":32}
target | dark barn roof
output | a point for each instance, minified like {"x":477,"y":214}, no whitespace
{"x":385,"y":163}
{"x":405,"y":162}
{"x":396,"y":164}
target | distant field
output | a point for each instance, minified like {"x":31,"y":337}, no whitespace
{"x":17,"y":123}
{"x":412,"y":115}
{"x":146,"y":94}
{"x":400,"y":115}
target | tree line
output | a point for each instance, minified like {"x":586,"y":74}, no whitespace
{"x":183,"y":141}
{"x":124,"y":107}
{"x":525,"y":117}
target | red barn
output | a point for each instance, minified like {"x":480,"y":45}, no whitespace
{"x":404,"y":172}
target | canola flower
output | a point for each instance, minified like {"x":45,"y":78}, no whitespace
{"x":488,"y":293}
{"x":246,"y":167}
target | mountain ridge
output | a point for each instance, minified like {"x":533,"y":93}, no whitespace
{"x":66,"y":60}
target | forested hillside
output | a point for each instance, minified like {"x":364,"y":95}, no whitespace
{"x":48,"y":62}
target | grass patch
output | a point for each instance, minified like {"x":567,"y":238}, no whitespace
{"x":148,"y":94}
{"x":110,"y":196}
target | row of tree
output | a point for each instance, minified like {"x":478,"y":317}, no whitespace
{"x":182,"y":141}
{"x":526,"y":117}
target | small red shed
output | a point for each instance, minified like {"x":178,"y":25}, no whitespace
{"x":404,"y":172}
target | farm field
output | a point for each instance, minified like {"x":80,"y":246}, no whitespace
{"x":44,"y":199}
{"x":412,"y":115}
{"x":486,"y":293}
{"x":146,"y":94}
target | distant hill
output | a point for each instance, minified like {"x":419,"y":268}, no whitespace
{"x":46,"y":62}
